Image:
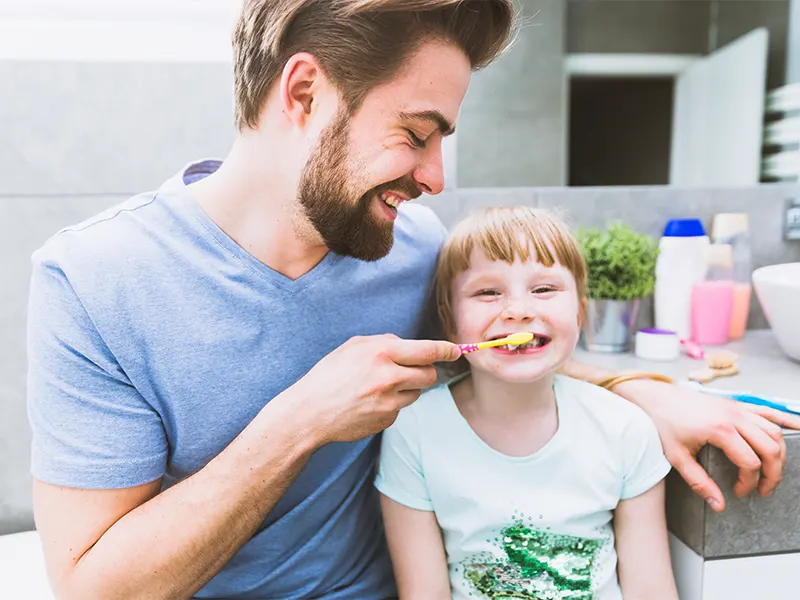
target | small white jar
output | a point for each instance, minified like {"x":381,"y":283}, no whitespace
{"x":657,"y":344}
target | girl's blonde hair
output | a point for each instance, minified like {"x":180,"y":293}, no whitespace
{"x":508,"y":233}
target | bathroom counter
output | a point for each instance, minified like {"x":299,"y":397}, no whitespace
{"x":763,"y":367}
{"x":751,"y":526}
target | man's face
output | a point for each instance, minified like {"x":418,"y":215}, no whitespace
{"x":389,"y":151}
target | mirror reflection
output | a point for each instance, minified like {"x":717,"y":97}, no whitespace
{"x":638,"y":92}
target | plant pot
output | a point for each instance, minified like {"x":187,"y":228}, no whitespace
{"x":610,"y":325}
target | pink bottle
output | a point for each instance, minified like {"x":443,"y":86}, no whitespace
{"x":734,"y":229}
{"x":712,"y":300}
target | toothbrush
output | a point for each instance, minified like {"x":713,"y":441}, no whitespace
{"x":781,"y":404}
{"x":515,"y":339}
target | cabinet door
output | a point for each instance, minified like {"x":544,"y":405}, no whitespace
{"x":752,"y":578}
{"x":718,"y":118}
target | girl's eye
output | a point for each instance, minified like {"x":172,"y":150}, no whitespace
{"x":415,"y":140}
{"x":543,"y":289}
{"x":488,"y":293}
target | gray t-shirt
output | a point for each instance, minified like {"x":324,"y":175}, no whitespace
{"x":154,"y":339}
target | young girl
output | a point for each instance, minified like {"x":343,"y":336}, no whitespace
{"x":513,"y":481}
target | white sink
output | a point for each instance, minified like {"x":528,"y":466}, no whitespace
{"x":778,"y":290}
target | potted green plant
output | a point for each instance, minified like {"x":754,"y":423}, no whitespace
{"x":621,"y":267}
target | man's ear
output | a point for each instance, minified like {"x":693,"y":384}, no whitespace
{"x":301,"y":84}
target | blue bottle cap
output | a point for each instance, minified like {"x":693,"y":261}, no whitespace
{"x":684,"y":228}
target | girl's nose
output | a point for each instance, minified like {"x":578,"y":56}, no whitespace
{"x":517,"y":309}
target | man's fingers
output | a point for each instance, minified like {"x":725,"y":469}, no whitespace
{"x":697,"y":478}
{"x":772,"y":430}
{"x":768,"y":484}
{"x":741,"y":454}
{"x":783,"y":419}
{"x":415,"y":378}
{"x":420,"y":353}
{"x":770,"y":452}
{"x":408,"y":397}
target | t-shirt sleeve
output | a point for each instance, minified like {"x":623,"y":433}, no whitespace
{"x":91,"y":427}
{"x":400,"y":474}
{"x":644,"y":461}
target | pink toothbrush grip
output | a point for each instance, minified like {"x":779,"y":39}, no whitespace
{"x":467,"y":348}
{"x":693,"y":349}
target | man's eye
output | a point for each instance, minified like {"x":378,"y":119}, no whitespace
{"x":415,"y":140}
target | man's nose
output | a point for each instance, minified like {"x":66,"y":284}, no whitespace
{"x":429,"y":173}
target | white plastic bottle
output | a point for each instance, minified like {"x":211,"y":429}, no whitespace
{"x":680,"y":266}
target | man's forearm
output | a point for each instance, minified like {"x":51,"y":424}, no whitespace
{"x":172,"y":545}
{"x":635,"y":391}
{"x":584,"y":372}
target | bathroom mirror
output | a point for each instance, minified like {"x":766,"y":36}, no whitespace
{"x":628,"y":92}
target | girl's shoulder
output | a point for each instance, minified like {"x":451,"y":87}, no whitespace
{"x":603,"y":407}
{"x":428,"y":418}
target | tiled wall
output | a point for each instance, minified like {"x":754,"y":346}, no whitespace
{"x":638,"y":26}
{"x":677,"y":27}
{"x":98,"y":128}
{"x":512,"y":128}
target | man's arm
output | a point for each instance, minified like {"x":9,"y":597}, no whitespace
{"x":640,"y":529}
{"x":133,"y":543}
{"x":136,"y":543}
{"x":687,"y":420}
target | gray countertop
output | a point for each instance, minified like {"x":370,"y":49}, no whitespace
{"x":752,"y":525}
{"x":763,"y":367}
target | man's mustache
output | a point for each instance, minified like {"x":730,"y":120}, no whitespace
{"x":404,"y":186}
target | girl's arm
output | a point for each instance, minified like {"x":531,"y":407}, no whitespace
{"x":417,"y":550}
{"x":640,"y":528}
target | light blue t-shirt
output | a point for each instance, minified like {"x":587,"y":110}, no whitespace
{"x":154,"y":340}
{"x":538,"y":526}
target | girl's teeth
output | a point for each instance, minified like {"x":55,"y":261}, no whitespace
{"x":535,"y":343}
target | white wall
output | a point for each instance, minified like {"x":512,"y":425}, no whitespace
{"x":123,"y":31}
{"x":87,"y":30}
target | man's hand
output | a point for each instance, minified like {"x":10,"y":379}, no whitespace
{"x":357,"y":390}
{"x":687,"y":420}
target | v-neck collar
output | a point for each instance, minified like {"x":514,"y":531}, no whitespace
{"x":199,"y":170}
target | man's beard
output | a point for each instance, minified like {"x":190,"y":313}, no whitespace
{"x":346,"y":226}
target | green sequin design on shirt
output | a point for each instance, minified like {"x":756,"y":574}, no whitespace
{"x":540,"y":566}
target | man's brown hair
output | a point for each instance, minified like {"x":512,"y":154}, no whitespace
{"x":359,"y":43}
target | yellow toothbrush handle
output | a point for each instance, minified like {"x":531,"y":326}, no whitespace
{"x":515,"y":339}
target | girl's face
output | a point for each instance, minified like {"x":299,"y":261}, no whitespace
{"x":493,"y":299}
